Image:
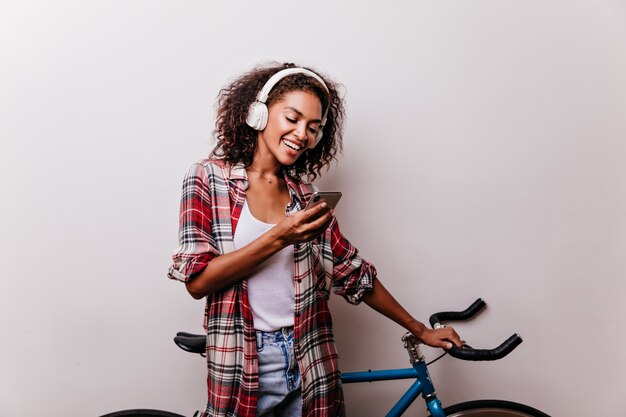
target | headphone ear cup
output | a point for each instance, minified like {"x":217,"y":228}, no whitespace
{"x":257,"y":116}
{"x":319,"y":135}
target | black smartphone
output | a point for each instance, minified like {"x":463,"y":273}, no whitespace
{"x":330,"y":197}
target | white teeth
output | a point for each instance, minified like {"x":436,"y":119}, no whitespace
{"x":292,"y":145}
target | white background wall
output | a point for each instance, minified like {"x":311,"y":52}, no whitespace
{"x":484,"y":156}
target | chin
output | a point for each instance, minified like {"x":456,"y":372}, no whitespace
{"x":289,"y":159}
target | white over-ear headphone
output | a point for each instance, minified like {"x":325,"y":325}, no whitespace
{"x":257,"y":113}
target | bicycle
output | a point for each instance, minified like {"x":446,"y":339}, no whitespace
{"x":419,"y":371}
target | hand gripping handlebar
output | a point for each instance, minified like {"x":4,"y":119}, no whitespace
{"x":467,"y":352}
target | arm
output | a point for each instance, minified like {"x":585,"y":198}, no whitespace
{"x":382,"y":301}
{"x":198,"y":261}
{"x":227,"y":269}
{"x":355,"y":279}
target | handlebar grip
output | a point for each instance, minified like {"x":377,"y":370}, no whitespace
{"x":471,"y":354}
{"x":466,"y":314}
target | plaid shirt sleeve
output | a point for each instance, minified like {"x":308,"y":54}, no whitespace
{"x":352,"y":275}
{"x":197,"y":246}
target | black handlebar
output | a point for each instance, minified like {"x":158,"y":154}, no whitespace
{"x":466,"y":314}
{"x":467,"y":352}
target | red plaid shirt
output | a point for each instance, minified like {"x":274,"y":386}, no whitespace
{"x":212,"y":198}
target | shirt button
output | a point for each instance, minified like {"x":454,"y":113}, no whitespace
{"x":297,"y":314}
{"x":299,"y":280}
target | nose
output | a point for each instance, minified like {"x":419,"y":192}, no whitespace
{"x":300,"y":131}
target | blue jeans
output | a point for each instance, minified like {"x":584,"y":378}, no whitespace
{"x":280,"y":393}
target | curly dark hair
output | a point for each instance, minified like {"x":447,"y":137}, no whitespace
{"x":236,"y":141}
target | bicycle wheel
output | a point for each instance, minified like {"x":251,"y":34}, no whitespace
{"x":142,"y":413}
{"x":492,"y":408}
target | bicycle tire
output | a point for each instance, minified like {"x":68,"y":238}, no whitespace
{"x":142,"y":413}
{"x":492,"y":408}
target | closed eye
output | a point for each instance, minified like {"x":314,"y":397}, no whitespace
{"x":312,"y":130}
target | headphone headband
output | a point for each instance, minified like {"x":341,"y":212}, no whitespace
{"x":274,"y":79}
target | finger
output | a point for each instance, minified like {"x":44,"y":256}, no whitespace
{"x":321,"y":222}
{"x":311,"y":212}
{"x":303,"y":217}
{"x":457,"y":341}
{"x":316,"y":214}
{"x":446,"y":338}
{"x":454,"y":338}
{"x":314,"y":232}
{"x":440,"y":341}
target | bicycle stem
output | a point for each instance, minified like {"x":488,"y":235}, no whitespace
{"x":412,"y":346}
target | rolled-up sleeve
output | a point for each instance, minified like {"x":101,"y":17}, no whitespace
{"x":353,"y":276}
{"x":197,"y":246}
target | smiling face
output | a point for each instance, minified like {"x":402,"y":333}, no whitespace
{"x":292,"y":124}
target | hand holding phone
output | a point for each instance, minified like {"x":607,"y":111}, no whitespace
{"x":304,"y":226}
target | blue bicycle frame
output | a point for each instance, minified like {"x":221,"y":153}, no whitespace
{"x":423,"y":384}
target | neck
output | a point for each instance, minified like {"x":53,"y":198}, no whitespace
{"x":266,"y":169}
{"x":263,"y":161}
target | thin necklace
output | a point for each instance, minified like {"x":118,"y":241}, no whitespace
{"x":269,"y":180}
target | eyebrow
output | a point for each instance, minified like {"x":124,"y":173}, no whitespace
{"x":300,"y":114}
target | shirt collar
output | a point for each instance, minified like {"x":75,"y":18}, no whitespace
{"x":238,"y":172}
{"x":296,"y":190}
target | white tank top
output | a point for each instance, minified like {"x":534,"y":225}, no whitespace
{"x":271,"y":289}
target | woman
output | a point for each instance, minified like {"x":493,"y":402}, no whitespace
{"x":262,"y":262}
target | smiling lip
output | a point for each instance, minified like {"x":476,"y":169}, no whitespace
{"x":293,"y":145}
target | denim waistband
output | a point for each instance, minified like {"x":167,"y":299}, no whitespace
{"x":282,"y":334}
